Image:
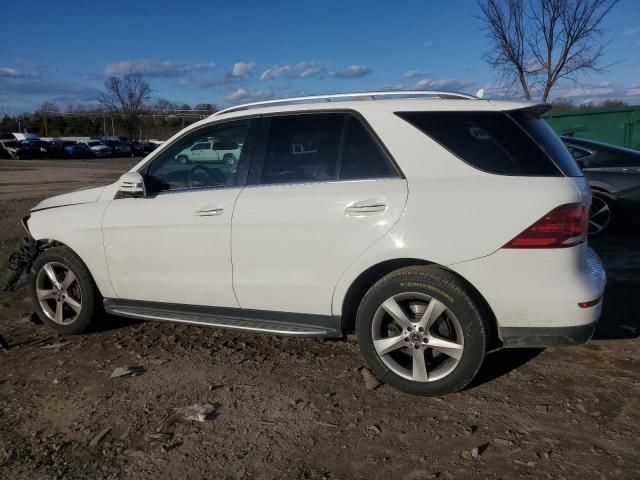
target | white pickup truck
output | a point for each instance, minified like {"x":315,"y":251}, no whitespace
{"x":211,"y":151}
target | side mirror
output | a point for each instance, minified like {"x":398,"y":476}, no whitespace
{"x":131,"y":184}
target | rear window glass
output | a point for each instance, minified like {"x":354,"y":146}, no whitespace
{"x":548,"y":140}
{"x":489,"y":141}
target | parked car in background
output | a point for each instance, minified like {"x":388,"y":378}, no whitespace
{"x":614,"y":175}
{"x":37,"y":147}
{"x":117,"y":146}
{"x":437,"y":228}
{"x":78,"y":150}
{"x":16,"y":149}
{"x":142,"y":149}
{"x":98,"y":148}
{"x":55,"y":148}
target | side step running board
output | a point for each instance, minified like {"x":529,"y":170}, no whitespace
{"x":278,"y":323}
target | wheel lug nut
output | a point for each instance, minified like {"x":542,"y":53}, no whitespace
{"x":421,"y":329}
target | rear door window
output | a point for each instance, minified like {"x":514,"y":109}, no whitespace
{"x":489,"y":141}
{"x":302,"y":148}
{"x":321,"y":147}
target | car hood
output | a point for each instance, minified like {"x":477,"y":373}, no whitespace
{"x":84,"y":195}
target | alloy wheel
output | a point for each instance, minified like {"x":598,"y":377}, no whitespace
{"x":58,"y":292}
{"x":417,"y":337}
{"x":599,"y":215}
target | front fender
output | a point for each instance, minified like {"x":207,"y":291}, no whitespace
{"x":78,"y":227}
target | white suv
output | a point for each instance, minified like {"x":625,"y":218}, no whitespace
{"x":437,"y":227}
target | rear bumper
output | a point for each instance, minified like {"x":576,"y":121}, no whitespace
{"x":535,"y":294}
{"x":532,"y":337}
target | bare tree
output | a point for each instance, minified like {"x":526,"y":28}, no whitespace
{"x":126,"y":96}
{"x":536,"y":43}
{"x":205,"y":108}
{"x":165,"y":107}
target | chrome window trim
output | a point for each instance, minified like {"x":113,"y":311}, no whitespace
{"x":350,"y":180}
{"x":193,"y":189}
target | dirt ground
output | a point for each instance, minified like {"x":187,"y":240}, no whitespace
{"x":294,"y":408}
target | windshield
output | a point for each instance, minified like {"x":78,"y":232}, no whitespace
{"x":93,"y":144}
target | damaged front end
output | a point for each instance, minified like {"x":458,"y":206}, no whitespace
{"x":19,"y":264}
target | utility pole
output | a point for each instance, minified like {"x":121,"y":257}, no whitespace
{"x":113,"y":130}
{"x":44,"y":116}
{"x":104,"y":126}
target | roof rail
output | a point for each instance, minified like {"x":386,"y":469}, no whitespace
{"x":356,"y":96}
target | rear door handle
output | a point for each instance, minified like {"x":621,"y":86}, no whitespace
{"x":366,"y":208}
{"x":209,"y":212}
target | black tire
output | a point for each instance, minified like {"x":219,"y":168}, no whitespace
{"x":91,"y":301}
{"x":443,"y":286}
{"x":183,"y":159}
{"x":599,"y":199}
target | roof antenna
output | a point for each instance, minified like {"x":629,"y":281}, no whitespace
{"x":480,"y":93}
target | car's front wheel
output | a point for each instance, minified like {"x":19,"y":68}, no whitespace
{"x":420,"y":331}
{"x":63,"y":292}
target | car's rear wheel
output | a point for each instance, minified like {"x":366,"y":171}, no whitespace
{"x":602,"y":213}
{"x":421,"y":332}
{"x":182,"y":159}
{"x":63,"y":292}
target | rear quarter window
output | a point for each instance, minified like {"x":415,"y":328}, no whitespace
{"x":493,"y":142}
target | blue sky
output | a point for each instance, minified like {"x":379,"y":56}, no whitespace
{"x":235,"y":51}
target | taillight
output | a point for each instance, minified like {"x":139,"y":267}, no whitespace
{"x":564,"y":226}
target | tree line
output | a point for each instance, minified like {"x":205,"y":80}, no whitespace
{"x":124,"y":110}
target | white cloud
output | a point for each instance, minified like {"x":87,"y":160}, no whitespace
{"x":18,"y":82}
{"x":413,"y":73}
{"x":633,"y":31}
{"x":158,"y":69}
{"x":249,"y":96}
{"x":633,"y":90}
{"x":444,"y":84}
{"x":598,"y":90}
{"x":353,"y":71}
{"x":428,"y":44}
{"x":10,"y":72}
{"x":241,"y":69}
{"x":578,"y":94}
{"x":277,"y":71}
{"x":313,"y":69}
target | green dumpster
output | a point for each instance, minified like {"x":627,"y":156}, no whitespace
{"x":618,"y":126}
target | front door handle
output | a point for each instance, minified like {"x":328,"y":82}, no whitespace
{"x":366,"y":208}
{"x":209,"y":212}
